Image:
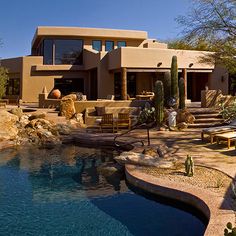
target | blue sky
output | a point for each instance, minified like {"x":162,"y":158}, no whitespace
{"x":19,"y":18}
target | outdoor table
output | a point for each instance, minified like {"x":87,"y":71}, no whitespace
{"x":230,"y":136}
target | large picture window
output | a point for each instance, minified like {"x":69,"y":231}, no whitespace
{"x":63,"y":51}
{"x":13,"y":87}
{"x":121,"y":44}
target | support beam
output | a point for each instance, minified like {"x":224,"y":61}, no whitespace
{"x":184,"y":76}
{"x":124,"y":83}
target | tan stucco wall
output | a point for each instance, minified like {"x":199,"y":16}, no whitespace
{"x":149,"y":58}
{"x":219,"y":79}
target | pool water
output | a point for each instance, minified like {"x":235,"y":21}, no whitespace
{"x":61,"y":192}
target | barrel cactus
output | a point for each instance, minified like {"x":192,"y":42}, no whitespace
{"x":230,"y":230}
{"x":174,"y":79}
{"x":167,"y":88}
{"x":189,"y":166}
{"x":159,"y":102}
{"x":181,"y":94}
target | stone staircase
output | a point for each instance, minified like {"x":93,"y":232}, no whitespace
{"x":205,"y":117}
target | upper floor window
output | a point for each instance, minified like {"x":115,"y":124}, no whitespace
{"x":97,"y":45}
{"x":109,"y":46}
{"x":121,"y":44}
{"x":63,"y":51}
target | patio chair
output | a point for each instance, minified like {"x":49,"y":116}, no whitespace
{"x":123,"y":121}
{"x":107,"y":122}
{"x":213,"y":131}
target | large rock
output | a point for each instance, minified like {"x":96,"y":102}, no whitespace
{"x":72,"y":96}
{"x":67,"y":108}
{"x":185,"y":116}
{"x":108,"y":169}
{"x":40,"y":123}
{"x":8,"y":128}
{"x":41,"y":115}
{"x":17,"y":111}
{"x":142,"y":160}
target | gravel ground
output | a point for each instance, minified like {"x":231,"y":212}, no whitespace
{"x":207,"y":178}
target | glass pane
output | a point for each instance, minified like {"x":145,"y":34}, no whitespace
{"x":68,"y":52}
{"x":97,"y":45}
{"x":121,"y":44}
{"x":109,"y":46}
{"x":47,"y":51}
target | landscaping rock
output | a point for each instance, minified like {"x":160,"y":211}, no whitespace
{"x":37,"y":116}
{"x":17,"y":111}
{"x":150,"y":151}
{"x":185,"y":116}
{"x":142,"y":160}
{"x":63,"y":129}
{"x":67,"y":108}
{"x":162,"y":151}
{"x":8,"y":128}
{"x":108,"y":169}
{"x":182,"y":126}
{"x":72,"y":96}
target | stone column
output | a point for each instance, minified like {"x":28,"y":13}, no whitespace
{"x":184,"y":76}
{"x":124,"y":83}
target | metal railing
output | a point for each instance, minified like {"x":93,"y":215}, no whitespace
{"x":147,"y":126}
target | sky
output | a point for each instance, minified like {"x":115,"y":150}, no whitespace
{"x":20,"y":18}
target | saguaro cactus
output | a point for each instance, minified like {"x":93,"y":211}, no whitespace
{"x":189,"y":166}
{"x":159,"y":102}
{"x":181,"y":94}
{"x":174,"y":78}
{"x":167,"y":87}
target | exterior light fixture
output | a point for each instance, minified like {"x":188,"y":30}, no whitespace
{"x":190,"y":65}
{"x":159,"y":64}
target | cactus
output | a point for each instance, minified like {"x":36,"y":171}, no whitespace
{"x":159,"y":102}
{"x":167,"y":88}
{"x":181,"y":94}
{"x":229,"y":230}
{"x":189,"y":166}
{"x":174,"y":79}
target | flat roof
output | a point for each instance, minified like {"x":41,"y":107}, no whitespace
{"x":43,"y":31}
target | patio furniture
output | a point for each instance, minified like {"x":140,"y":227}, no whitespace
{"x":123,"y":121}
{"x":213,"y":131}
{"x":230,"y":136}
{"x":107,"y":122}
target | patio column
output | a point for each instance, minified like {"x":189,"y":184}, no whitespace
{"x":184,"y":76}
{"x":124,"y":83}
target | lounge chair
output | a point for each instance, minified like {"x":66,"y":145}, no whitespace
{"x":123,"y":121}
{"x":218,"y":130}
{"x":107,"y":122}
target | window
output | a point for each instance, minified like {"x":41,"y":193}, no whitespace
{"x":97,"y":45}
{"x":63,"y":51}
{"x":121,"y":44}
{"x":109,"y":46}
{"x":13,"y":87}
{"x":48,"y":52}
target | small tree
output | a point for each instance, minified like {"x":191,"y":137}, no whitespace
{"x":3,"y":81}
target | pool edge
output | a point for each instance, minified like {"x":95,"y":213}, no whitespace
{"x":208,"y":204}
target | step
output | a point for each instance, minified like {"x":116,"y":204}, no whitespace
{"x":204,"y":111}
{"x":204,"y":125}
{"x":209,"y":120}
{"x":208,"y":115}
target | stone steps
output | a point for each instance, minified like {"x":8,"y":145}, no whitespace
{"x":205,"y":117}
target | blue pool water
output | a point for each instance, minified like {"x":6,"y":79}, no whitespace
{"x":61,"y":192}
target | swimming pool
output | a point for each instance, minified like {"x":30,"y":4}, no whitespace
{"x":61,"y":192}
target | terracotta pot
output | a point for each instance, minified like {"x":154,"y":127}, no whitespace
{"x":55,"y":94}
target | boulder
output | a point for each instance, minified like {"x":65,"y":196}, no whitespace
{"x":67,"y":108}
{"x":185,"y":116}
{"x":150,"y":151}
{"x":162,"y":150}
{"x":108,"y":169}
{"x":17,"y":111}
{"x":8,"y":128}
{"x":62,"y":129}
{"x":72,"y":96}
{"x":40,"y":123}
{"x":37,"y":116}
{"x":142,"y":160}
{"x":182,"y":126}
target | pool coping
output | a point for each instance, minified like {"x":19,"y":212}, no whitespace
{"x":210,"y":204}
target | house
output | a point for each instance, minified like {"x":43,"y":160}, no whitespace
{"x":98,"y":62}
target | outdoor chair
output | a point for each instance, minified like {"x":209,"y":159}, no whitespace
{"x":213,"y":131}
{"x":107,"y":122}
{"x":123,"y":121}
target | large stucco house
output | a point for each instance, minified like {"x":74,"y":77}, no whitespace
{"x":98,"y":62}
